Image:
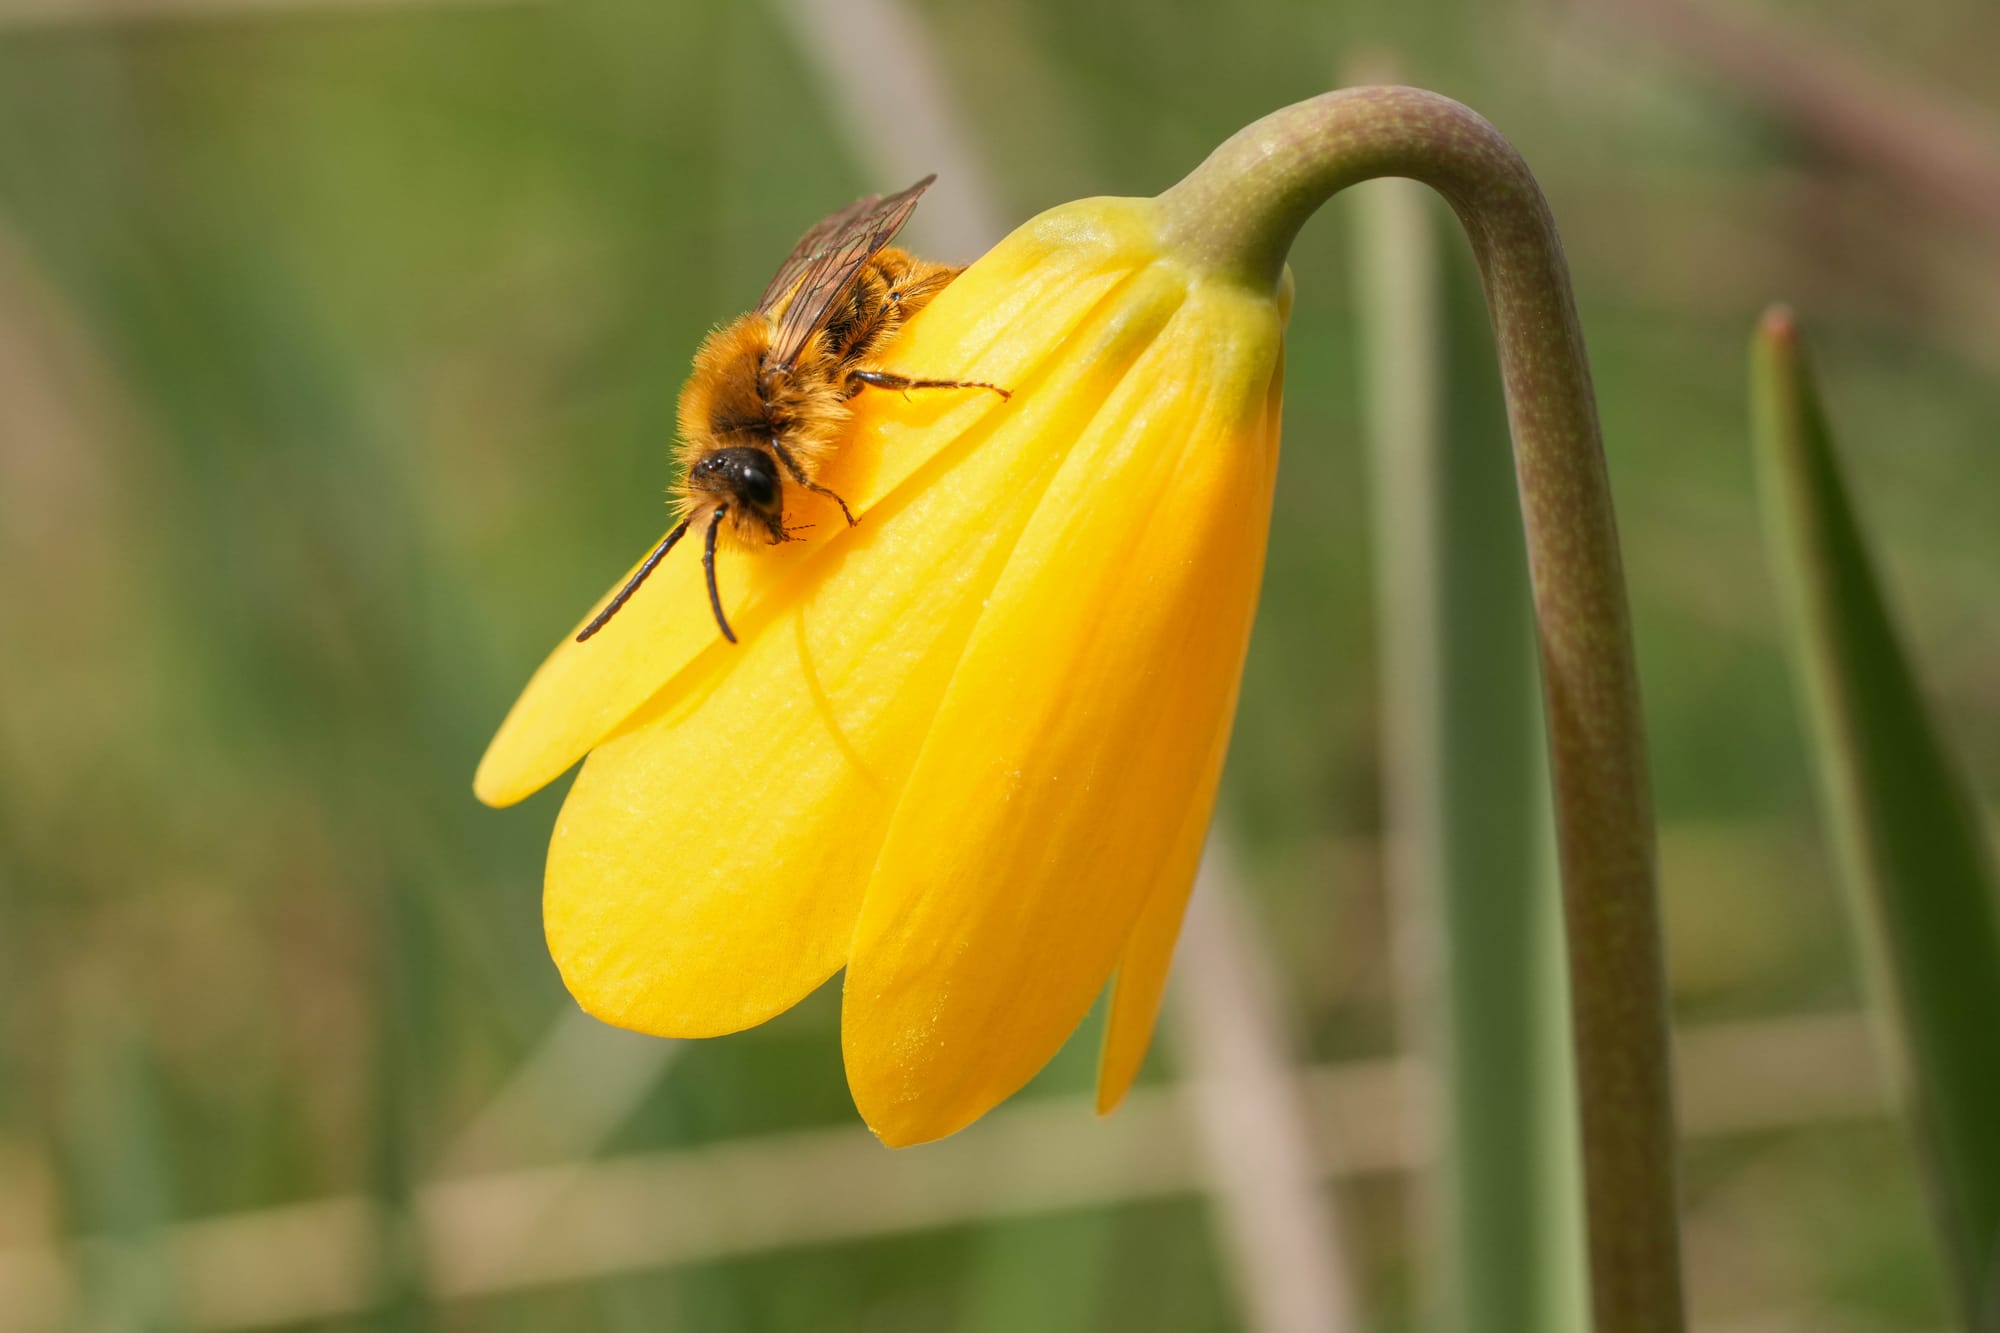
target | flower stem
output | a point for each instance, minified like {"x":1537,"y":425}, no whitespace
{"x":1238,"y":212}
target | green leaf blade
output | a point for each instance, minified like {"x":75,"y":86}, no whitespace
{"x":1466,"y":803}
{"x":1912,"y":851}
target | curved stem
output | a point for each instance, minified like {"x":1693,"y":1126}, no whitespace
{"x":1238,"y":212}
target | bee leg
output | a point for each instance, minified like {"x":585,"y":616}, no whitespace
{"x":632,"y":584}
{"x":857,"y":380}
{"x":708,"y":564}
{"x":799,"y":475}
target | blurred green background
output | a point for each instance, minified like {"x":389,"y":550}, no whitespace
{"x":339,"y":342}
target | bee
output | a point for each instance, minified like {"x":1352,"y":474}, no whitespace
{"x":767,"y":403}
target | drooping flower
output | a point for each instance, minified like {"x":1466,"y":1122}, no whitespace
{"x":968,"y":748}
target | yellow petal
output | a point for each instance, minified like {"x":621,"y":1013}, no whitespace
{"x":1149,"y":952}
{"x":1056,"y":778}
{"x":996,"y":322}
{"x":709,"y":862}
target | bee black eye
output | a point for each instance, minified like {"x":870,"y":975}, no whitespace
{"x":756,"y":482}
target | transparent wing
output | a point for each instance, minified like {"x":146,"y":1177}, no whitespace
{"x":810,"y":247}
{"x":826,"y":261}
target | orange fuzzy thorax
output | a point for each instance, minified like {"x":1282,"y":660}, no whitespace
{"x":731,"y":401}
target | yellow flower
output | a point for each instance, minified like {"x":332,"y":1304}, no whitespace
{"x":966,"y":749}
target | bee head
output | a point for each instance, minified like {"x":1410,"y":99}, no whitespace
{"x":745,"y":475}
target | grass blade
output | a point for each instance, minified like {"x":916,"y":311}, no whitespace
{"x":121,"y":1174}
{"x":1466,"y":803}
{"x":1911,"y":849}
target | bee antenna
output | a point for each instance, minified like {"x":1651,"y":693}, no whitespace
{"x":632,"y":584}
{"x":708,"y":563}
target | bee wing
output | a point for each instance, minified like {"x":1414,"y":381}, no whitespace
{"x":825,"y":261}
{"x":810,"y":247}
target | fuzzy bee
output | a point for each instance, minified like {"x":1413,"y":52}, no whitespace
{"x":767,"y":403}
